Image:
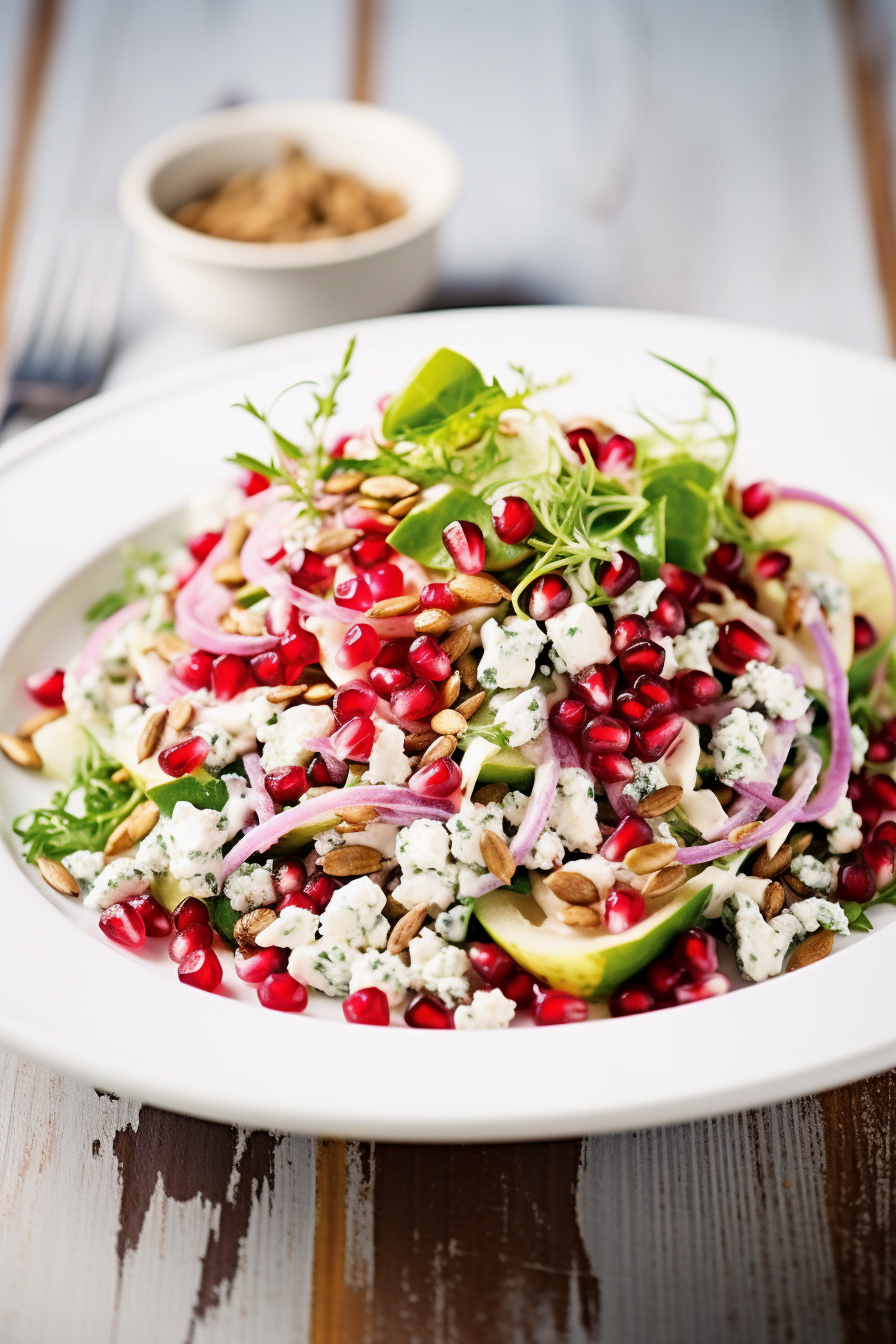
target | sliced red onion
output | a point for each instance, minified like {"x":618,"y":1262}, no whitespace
{"x":810,"y":497}
{"x":168,"y":689}
{"x":544,"y":788}
{"x":264,"y":803}
{"x":199,"y":604}
{"x":622,"y":803}
{"x":390,"y":799}
{"x":836,"y":688}
{"x":758,"y":794}
{"x":89,"y":655}
{"x":336,"y":766}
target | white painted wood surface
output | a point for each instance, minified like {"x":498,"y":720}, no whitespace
{"x":696,"y":155}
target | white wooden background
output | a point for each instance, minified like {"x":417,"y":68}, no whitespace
{"x":713,"y":156}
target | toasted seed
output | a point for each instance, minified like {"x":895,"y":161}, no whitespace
{"x":142,"y":819}
{"x":432,"y":621}
{"x":815,"y":948}
{"x":393,"y":606}
{"x":121,"y":776}
{"x":491,"y":793}
{"x":741,"y":832}
{"x":57,"y":877}
{"x":282,"y":695}
{"x":498,"y":858}
{"x":227,"y":624}
{"x":448,"y":721}
{"x":20,"y":751}
{"x":180,"y":712}
{"x":415,"y":761}
{"x":169,"y":646}
{"x":800,"y":888}
{"x":388,"y":487}
{"x":235,"y":534}
{"x":318,"y":791}
{"x":319,"y":694}
{"x":794,"y":610}
{"x":580,"y":916}
{"x":361,"y":813}
{"x":407,"y":928}
{"x":443,"y":746}
{"x":773,"y":903}
{"x":119,"y":841}
{"x":478,"y":589}
{"x":770,"y":865}
{"x":468,"y":667}
{"x":659,"y":802}
{"x":467,"y":708}
{"x":250,"y":925}
{"x":664,"y":880}
{"x":450,"y":691}
{"x":229,"y":573}
{"x":800,"y":843}
{"x":352,"y":861}
{"x":151,"y":732}
{"x":418,"y":741}
{"x":457,"y":643}
{"x":575,"y":888}
{"x":333,"y":539}
{"x":247,"y":620}
{"x":344,"y":482}
{"x":650,"y":858}
{"x":404,"y":506}
{"x":38,"y":720}
{"x":372,"y":505}
{"x":349,"y":827}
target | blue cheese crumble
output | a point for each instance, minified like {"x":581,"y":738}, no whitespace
{"x":325,"y":965}
{"x":388,"y":763}
{"x":119,"y":880}
{"x":737,"y":746}
{"x":859,"y":742}
{"x":648,"y":778}
{"x":467,"y":827}
{"x":524,"y":717}
{"x":294,"y":927}
{"x":438,"y":968}
{"x":844,"y":826}
{"x":774,"y":690}
{"x":639,"y":600}
{"x":85,"y":866}
{"x":510,"y":652}
{"x":579,"y":638}
{"x":761,"y":947}
{"x":381,"y":970}
{"x":284,"y":739}
{"x":423,"y":844}
{"x":489,"y":1009}
{"x":354,"y":915}
{"x":573,"y":813}
{"x":813,"y":873}
{"x":692,"y":649}
{"x":830,"y":591}
{"x":251,"y":886}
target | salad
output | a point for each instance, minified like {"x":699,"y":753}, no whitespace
{"x":473,"y":715}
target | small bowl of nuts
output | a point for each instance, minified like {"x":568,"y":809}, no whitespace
{"x":273,"y":217}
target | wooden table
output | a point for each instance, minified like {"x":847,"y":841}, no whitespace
{"x":704,"y":155}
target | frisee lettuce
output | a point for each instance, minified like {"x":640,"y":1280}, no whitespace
{"x":82,"y":816}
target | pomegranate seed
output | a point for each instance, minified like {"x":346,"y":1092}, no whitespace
{"x":361,"y":644}
{"x":385,"y":581}
{"x":880,"y":856}
{"x":491,"y":962}
{"x":385,"y":680}
{"x":201,"y":969}
{"x":370,"y":551}
{"x":364,"y":520}
{"x":123,"y":925}
{"x":668,"y":614}
{"x":869,"y":810}
{"x":603,"y":734}
{"x":286,"y":784}
{"x":771,"y":565}
{"x":46,"y":687}
{"x":695,"y":688}
{"x":652,"y":743}
{"x":416,"y":701}
{"x":253,"y":483}
{"x":629,"y":630}
{"x":695,"y":953}
{"x":354,"y":700}
{"x":513,"y":519}
{"x":634,"y":711}
{"x":568,"y":717}
{"x":428,"y":1013}
{"x":253,"y":967}
{"x":190,"y":911}
{"x":465,"y":544}
{"x":756,"y":498}
{"x":583,"y":441}
{"x":321,"y":772}
{"x":267,"y":669}
{"x":439,"y":596}
{"x":202,"y":545}
{"x":297,"y":898}
{"x":156,"y":919}
{"x":709,"y":988}
{"x":189,"y":940}
{"x":629,"y":834}
{"x":643,"y":657}
{"x":623,"y":908}
{"x":738,"y":645}
{"x":616,"y":578}
{"x":616,"y":456}
{"x":864,"y":633}
{"x":662,"y":976}
{"x":230,"y":675}
{"x":519,"y":986}
{"x":394,"y":653}
{"x":337,"y":450}
{"x":681,"y":583}
{"x":354,"y":593}
{"x":319,"y":890}
{"x":554,"y":1008}
{"x":630,"y":999}
{"x":880,"y":750}
{"x":288,"y":875}
{"x":655,"y":693}
{"x":725,"y":561}
{"x":298,"y":648}
{"x":184,"y":757}
{"x":194,"y":670}
{"x":307,"y":570}
{"x":367,"y":1007}
{"x":886,"y":831}
{"x":883,"y":789}
{"x":436,"y":780}
{"x":353,"y":741}
{"x":428,"y":659}
{"x":597,"y":688}
{"x":549,"y":594}
{"x":282,"y":993}
{"x":612,"y":769}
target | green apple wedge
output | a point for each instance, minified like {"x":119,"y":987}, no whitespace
{"x":590,"y":965}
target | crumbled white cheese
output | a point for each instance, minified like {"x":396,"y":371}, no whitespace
{"x":354,"y":915}
{"x":648,"y":778}
{"x":831,"y":592}
{"x":443,"y":973}
{"x":423,"y":844}
{"x":845,"y":826}
{"x":294,"y":927}
{"x":547,"y":852}
{"x":510,"y":652}
{"x":579,"y":637}
{"x":859,"y":747}
{"x":94,"y":697}
{"x":573,"y":813}
{"x":250,"y":886}
{"x":425,"y":945}
{"x":524,"y":717}
{"x":85,"y":866}
{"x":772,"y":689}
{"x":284,"y":741}
{"x":466,"y":829}
{"x":325,"y":965}
{"x":692,"y":649}
{"x":813,"y":873}
{"x":488,"y":1009}
{"x":639,"y":600}
{"x":381,"y":970}
{"x":760,"y":946}
{"x":514,"y":806}
{"x":375,"y":835}
{"x":452,"y":924}
{"x":188,"y":844}
{"x":737,"y":746}
{"x":437,"y":889}
{"x":221,"y":747}
{"x":388,"y":763}
{"x":119,"y":879}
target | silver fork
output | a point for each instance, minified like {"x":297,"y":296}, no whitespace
{"x":63,"y":323}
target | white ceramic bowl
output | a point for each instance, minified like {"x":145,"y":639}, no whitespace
{"x":247,"y":291}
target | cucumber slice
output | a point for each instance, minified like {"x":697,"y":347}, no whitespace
{"x":590,"y":965}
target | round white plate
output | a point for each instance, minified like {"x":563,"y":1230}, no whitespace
{"x":78,"y":485}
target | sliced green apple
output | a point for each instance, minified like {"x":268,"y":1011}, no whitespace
{"x":201,"y":789}
{"x":61,"y":743}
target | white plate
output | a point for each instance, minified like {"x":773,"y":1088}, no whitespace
{"x":73,"y":488}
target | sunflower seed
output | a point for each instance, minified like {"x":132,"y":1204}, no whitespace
{"x":418,"y":741}
{"x":151,"y":732}
{"x":664,"y":880}
{"x":479,"y":590}
{"x":580,"y":917}
{"x":250,"y":925}
{"x":282,"y":695}
{"x":393,"y":606}
{"x":361,"y":813}
{"x":443,"y":746}
{"x":229,"y":574}
{"x":773,"y":902}
{"x":468,"y":667}
{"x":742,"y":832}
{"x":650,"y":858}
{"x":20,"y":751}
{"x":433,"y":621}
{"x":235,"y":534}
{"x":39,"y":720}
{"x":388,"y":487}
{"x":407,"y":928}
{"x":142,"y":819}
{"x":450,"y":691}
{"x":815,"y":948}
{"x":498,"y":858}
{"x":121,"y":776}
{"x":170,"y":646}
{"x":319,"y":694}
{"x":333,"y":539}
{"x":404,"y":506}
{"x":352,"y":861}
{"x":344,"y":482}
{"x":575,"y":888}
{"x":491,"y":793}
{"x":659,"y":802}
{"x":180,"y":712}
{"x":457,"y":643}
{"x":770,"y":865}
{"x":467,"y":708}
{"x":448,"y":721}
{"x":57,"y":877}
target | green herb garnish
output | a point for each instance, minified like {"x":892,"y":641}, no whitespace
{"x":84,"y":815}
{"x":131,"y":588}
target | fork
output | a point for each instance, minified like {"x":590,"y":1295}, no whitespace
{"x":63,"y":323}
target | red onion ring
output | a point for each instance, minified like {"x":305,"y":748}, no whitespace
{"x":837,"y":688}
{"x":89,"y":655}
{"x":811,"y":497}
{"x":262,"y":800}
{"x":201,"y":600}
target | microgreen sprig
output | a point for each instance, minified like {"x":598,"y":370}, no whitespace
{"x":84,"y":815}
